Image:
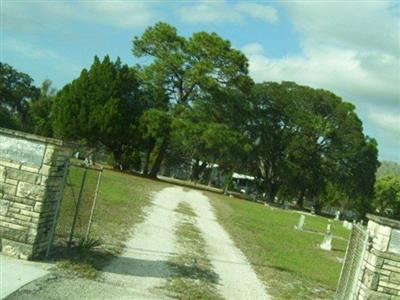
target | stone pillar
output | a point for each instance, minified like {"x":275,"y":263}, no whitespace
{"x":381,"y":265}
{"x":31,"y":181}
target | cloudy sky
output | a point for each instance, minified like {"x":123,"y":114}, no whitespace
{"x":350,"y":48}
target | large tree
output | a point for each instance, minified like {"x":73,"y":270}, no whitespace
{"x":16,"y":91}
{"x":270,"y":127}
{"x":305,"y":138}
{"x":387,"y":195}
{"x":102,"y":106}
{"x":208,"y":142}
{"x":155,"y":125}
{"x":189,"y":68}
{"x":40,"y":110}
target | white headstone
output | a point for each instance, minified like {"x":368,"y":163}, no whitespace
{"x":328,"y":228}
{"x":301,"y":223}
{"x":327,"y":242}
{"x":347,"y":225}
{"x":337,"y":215}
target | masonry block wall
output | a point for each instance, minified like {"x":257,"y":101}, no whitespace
{"x":31,"y":181}
{"x":380,"y":272}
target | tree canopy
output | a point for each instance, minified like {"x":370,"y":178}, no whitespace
{"x":387,"y":196}
{"x":305,"y":138}
{"x":188,"y":69}
{"x":102,"y":106}
{"x":40,"y":110}
{"x":194,"y":104}
{"x":16,"y":91}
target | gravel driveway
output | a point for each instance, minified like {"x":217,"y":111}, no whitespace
{"x":142,"y":270}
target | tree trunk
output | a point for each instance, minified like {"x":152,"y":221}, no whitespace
{"x":117,"y":153}
{"x":150,"y":148}
{"x":226,"y":188}
{"x":300,"y":201}
{"x":228,"y":180}
{"x":210,"y":178}
{"x":197,"y":170}
{"x":157,"y":163}
{"x":273,"y":190}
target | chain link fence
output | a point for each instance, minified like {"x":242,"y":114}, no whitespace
{"x":77,"y":210}
{"x":356,"y":247}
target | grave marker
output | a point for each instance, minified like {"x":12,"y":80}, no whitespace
{"x":327,"y":242}
{"x":300,"y":225}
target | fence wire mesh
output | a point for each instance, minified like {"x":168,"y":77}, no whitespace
{"x":78,"y":186}
{"x":346,"y":289}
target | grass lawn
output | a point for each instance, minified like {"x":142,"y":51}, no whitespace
{"x":288,"y":261}
{"x":194,"y":276}
{"x":120,"y":203}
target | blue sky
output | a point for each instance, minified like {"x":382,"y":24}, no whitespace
{"x":349,"y":47}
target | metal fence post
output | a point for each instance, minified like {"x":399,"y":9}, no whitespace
{"x":94,"y":204}
{"x":77,"y":208}
{"x":57,"y":212}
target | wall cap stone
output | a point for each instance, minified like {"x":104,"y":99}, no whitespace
{"x":384,"y":221}
{"x":33,"y":137}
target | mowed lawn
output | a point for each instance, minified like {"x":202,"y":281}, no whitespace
{"x":120,"y":203}
{"x":287,"y":260}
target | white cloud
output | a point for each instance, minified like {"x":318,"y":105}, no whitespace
{"x":350,"y":48}
{"x":209,"y":12}
{"x":258,"y":11}
{"x":253,"y":49}
{"x":34,"y":52}
{"x":388,"y":122}
{"x":364,"y":25}
{"x":337,"y":69}
{"x":124,"y":14}
{"x":32,"y":16}
{"x":221,"y":11}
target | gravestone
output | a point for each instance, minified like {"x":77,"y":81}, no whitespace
{"x":327,"y":242}
{"x":32,"y":170}
{"x":348,"y":225}
{"x":300,"y":225}
{"x":337,"y":215}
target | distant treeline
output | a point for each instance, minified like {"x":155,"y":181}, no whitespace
{"x":195,"y":104}
{"x":388,"y":168}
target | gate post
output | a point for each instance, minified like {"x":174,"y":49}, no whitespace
{"x":31,"y":173}
{"x":381,"y":272}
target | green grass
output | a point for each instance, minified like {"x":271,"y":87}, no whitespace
{"x":288,"y":260}
{"x":194,"y":277}
{"x":120,"y":203}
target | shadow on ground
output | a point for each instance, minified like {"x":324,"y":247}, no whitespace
{"x":160,"y":269}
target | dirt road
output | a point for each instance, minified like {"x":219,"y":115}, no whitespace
{"x":143,"y":269}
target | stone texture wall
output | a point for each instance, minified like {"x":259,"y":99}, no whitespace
{"x":380,"y":271}
{"x":29,"y":192}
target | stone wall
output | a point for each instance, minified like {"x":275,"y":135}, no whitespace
{"x":380,"y":271}
{"x":32,"y":169}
